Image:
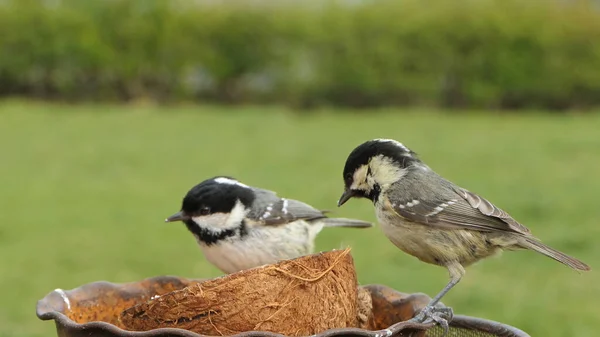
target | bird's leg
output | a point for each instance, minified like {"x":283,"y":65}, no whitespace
{"x":441,"y":315}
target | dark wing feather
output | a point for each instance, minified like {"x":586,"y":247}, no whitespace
{"x":270,"y":210}
{"x":464,"y":210}
{"x":491,"y":210}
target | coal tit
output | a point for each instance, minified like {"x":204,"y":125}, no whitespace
{"x":431,"y":218}
{"x":240,"y":227}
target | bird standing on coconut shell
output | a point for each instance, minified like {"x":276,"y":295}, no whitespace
{"x":433,"y":219}
{"x":240,"y":227}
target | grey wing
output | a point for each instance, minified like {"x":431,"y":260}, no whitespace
{"x":269,"y":209}
{"x":491,"y":210}
{"x":460,"y":209}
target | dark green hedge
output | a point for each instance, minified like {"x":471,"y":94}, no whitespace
{"x":451,"y":53}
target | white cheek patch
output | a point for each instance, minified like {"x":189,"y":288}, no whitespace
{"x":222,"y":221}
{"x":385,"y":172}
{"x":214,"y":221}
{"x":227,"y":181}
{"x":359,"y":179}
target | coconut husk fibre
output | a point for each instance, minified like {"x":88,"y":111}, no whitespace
{"x":364,"y":309}
{"x":298,"y":297}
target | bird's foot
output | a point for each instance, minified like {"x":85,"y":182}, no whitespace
{"x":439,"y":315}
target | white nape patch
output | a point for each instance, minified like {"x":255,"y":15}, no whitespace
{"x":64,"y":296}
{"x":223,"y":180}
{"x":285,"y":205}
{"x":238,"y":213}
{"x":218,"y":222}
{"x":395,"y":142}
{"x":423,"y":167}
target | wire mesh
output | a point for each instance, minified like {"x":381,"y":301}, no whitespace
{"x":458,"y":332}
{"x":466,"y":326}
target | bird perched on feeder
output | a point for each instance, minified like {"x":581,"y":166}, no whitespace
{"x":431,"y":218}
{"x":240,"y":227}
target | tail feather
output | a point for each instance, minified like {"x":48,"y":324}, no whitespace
{"x":554,"y":254}
{"x":343,"y":222}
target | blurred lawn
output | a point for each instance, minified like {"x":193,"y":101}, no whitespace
{"x":85,"y":191}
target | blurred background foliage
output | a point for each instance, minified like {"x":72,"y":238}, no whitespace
{"x":448,"y":53}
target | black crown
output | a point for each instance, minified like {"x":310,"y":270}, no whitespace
{"x":217,"y":197}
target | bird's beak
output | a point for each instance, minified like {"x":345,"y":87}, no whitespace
{"x":348,"y":193}
{"x":175,"y":217}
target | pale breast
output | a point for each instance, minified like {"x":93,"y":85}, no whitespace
{"x":261,"y":246}
{"x":232,"y":257}
{"x":433,"y":244}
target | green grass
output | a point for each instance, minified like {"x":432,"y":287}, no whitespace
{"x":85,"y":191}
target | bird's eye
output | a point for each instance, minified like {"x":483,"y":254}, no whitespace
{"x":348,"y":177}
{"x":205,"y":210}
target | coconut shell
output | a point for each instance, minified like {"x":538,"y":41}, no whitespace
{"x":298,"y":297}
